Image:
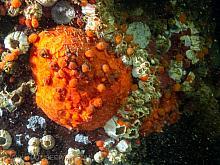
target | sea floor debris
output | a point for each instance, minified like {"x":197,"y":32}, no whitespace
{"x":100,"y":88}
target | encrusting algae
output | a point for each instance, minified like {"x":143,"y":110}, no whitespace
{"x":79,"y":83}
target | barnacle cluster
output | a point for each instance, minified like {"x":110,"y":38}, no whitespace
{"x":33,"y":10}
{"x":11,"y":100}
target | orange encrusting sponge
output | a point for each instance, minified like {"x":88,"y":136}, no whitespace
{"x":79,"y":84}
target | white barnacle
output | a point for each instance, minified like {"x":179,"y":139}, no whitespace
{"x":18,"y":161}
{"x":176,"y":71}
{"x":33,"y":150}
{"x":123,"y":146}
{"x":71,"y":155}
{"x":114,"y":130}
{"x":13,"y":11}
{"x":137,"y":60}
{"x":126,"y":60}
{"x":115,"y":157}
{"x":47,"y":142}
{"x":69,"y":160}
{"x":88,"y":161}
{"x":33,"y":146}
{"x":17,"y":40}
{"x":5,"y":139}
{"x":191,"y":55}
{"x":34,"y":9}
{"x":34,"y":141}
{"x":98,"y":157}
{"x":197,"y":42}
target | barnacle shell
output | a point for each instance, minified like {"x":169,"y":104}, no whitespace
{"x":33,"y":146}
{"x":18,"y":161}
{"x":34,"y":9}
{"x":34,"y":141}
{"x":17,"y":40}
{"x":71,"y":155}
{"x":123,"y":146}
{"x":47,"y":142}
{"x":6,"y":139}
{"x":98,"y":157}
{"x":33,"y":150}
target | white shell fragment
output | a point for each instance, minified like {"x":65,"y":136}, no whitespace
{"x":191,"y":55}
{"x":123,"y":146}
{"x":5,"y":139}
{"x":116,"y":157}
{"x":71,"y":155}
{"x":33,"y":150}
{"x":17,"y":40}
{"x":36,"y":122}
{"x":33,"y":146}
{"x":176,"y":71}
{"x":74,"y":152}
{"x":98,"y":157}
{"x":113,"y":129}
{"x":47,"y":3}
{"x":47,"y":142}
{"x":82,"y":139}
{"x":18,"y":161}
{"x":88,"y":161}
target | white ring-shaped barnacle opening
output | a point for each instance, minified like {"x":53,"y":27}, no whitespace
{"x":47,"y":142}
{"x":17,"y":40}
{"x":5,"y":139}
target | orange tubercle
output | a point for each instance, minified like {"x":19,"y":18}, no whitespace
{"x":16,"y":3}
{"x":34,"y":22}
{"x":101,"y":45}
{"x":118,"y":39}
{"x":90,"y":33}
{"x":78,"y":161}
{"x":130,"y":51}
{"x":32,"y":38}
{"x":28,"y":23}
{"x":44,"y":161}
{"x":83,"y":2}
{"x":182,"y":18}
{"x":21,"y":20}
{"x":99,"y":143}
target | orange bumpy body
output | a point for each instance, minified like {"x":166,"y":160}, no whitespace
{"x":73,"y":89}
